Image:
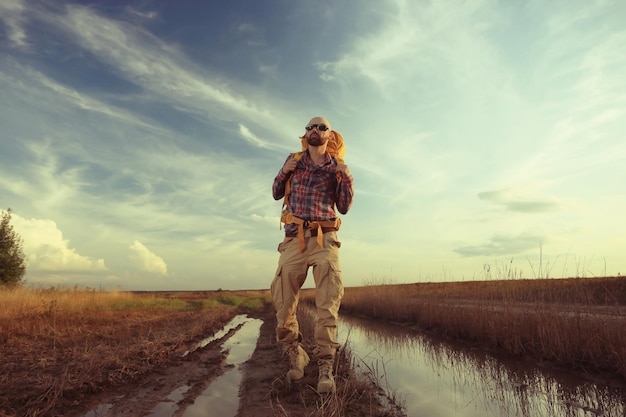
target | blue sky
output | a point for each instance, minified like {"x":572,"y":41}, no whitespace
{"x":139,"y":139}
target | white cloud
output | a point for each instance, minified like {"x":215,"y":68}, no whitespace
{"x":146,"y":260}
{"x":411,"y":40}
{"x":157,"y":66}
{"x":515,"y":201}
{"x":503,"y":245}
{"x":151,"y":15}
{"x":251,"y":137}
{"x":267,"y":219}
{"x":11,"y":13}
{"x":46,"y":250}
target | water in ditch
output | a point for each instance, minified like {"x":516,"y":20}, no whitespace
{"x":427,"y":376}
{"x":435,"y":378}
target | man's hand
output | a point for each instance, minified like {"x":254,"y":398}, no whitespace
{"x":343,"y":169}
{"x":290,"y":165}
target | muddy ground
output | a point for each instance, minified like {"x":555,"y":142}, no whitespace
{"x":263,"y":391}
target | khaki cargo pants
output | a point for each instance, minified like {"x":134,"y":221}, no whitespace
{"x":290,"y":276}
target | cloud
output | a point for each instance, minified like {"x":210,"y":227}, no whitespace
{"x":46,"y":250}
{"x":253,"y":34}
{"x":145,"y":260}
{"x":11,"y":13}
{"x":144,"y":15}
{"x":158,"y":67}
{"x":266,"y":219}
{"x":252,"y":138}
{"x":503,"y":245}
{"x":514,"y":202}
{"x":408,"y":40}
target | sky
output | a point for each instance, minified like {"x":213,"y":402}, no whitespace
{"x":139,"y":139}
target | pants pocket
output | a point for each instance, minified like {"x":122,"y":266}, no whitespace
{"x":282,"y":245}
{"x":276,"y":289}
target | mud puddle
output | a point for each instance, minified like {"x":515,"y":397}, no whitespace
{"x":203,"y":386}
{"x":221,"y":398}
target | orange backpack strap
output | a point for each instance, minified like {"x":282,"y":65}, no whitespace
{"x":297,"y":156}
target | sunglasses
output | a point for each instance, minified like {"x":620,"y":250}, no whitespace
{"x":320,"y":126}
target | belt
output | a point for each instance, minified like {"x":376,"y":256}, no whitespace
{"x":318,"y":227}
{"x":314,"y":231}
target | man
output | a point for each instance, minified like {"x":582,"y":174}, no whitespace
{"x":319,"y":182}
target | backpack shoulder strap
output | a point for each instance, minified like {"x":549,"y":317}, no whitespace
{"x":297,"y":156}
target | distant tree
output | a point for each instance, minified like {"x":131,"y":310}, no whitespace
{"x":12,"y":263}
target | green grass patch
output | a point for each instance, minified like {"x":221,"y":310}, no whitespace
{"x":251,"y":302}
{"x":145,"y":303}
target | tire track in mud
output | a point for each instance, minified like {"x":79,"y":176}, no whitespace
{"x":251,"y":387}
{"x":203,"y":381}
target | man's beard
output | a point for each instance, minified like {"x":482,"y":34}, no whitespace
{"x":316,"y":140}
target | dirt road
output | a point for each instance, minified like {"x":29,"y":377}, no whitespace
{"x":174,"y":391}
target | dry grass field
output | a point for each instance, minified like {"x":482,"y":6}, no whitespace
{"x":57,"y":346}
{"x":577,"y":323}
{"x":60,"y":347}
{"x":65,"y":351}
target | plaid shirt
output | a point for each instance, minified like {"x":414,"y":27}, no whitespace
{"x":314,"y":190}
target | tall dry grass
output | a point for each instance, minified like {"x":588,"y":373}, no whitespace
{"x":57,"y":344}
{"x":576,"y":323}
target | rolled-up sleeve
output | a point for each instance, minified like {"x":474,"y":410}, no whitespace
{"x":280,"y":181}
{"x":345,"y":193}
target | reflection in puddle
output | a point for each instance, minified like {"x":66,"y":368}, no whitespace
{"x":433,"y":378}
{"x":100,"y":410}
{"x":233,"y":324}
{"x":221,"y":398}
{"x":169,"y":406}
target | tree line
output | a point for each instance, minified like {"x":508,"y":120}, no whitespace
{"x":12,"y":261}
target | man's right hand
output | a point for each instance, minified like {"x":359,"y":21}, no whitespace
{"x":290,"y":165}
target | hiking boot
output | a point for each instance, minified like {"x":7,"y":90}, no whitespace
{"x":326,"y":381}
{"x":298,"y":359}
